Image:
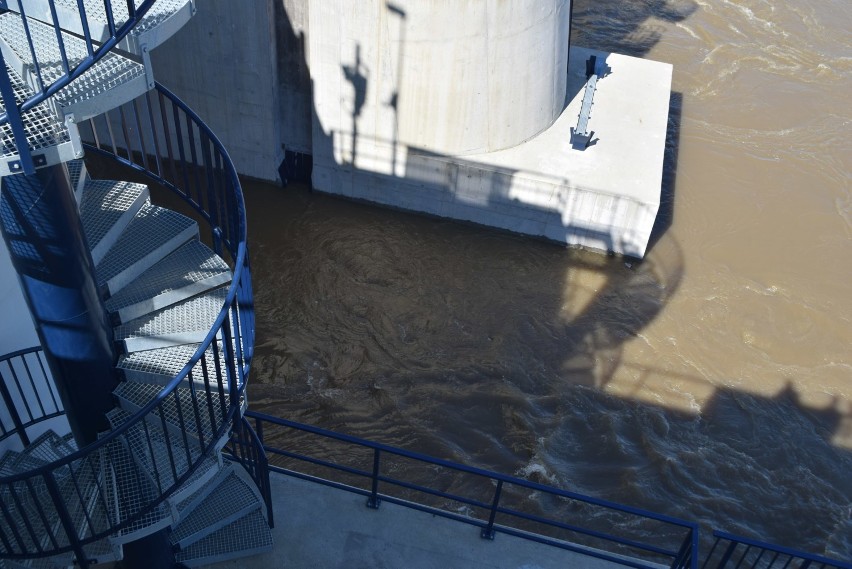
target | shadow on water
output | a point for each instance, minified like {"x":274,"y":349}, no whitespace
{"x":493,"y":349}
{"x":488,"y":348}
{"x":631,"y":27}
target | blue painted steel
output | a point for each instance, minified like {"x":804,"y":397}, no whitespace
{"x":26,"y":389}
{"x":14,"y":119}
{"x":761,"y":555}
{"x":42,"y":229}
{"x":166,"y":116}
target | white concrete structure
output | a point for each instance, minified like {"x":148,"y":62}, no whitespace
{"x":458,"y":109}
{"x":455,"y":108}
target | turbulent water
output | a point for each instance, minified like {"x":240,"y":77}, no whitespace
{"x":712,"y":381}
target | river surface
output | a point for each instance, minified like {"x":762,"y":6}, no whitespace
{"x":713,"y":381}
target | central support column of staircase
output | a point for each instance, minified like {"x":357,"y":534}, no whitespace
{"x":45,"y":238}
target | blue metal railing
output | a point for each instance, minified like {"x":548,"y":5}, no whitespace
{"x":96,"y":51}
{"x":27,"y":395}
{"x":164,"y":140}
{"x":494,"y":505}
{"x":739,"y":552}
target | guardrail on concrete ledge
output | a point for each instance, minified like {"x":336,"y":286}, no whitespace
{"x":495,"y":503}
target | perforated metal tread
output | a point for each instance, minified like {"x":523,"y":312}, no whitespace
{"x":28,"y":502}
{"x":163,"y":457}
{"x":159,"y":18}
{"x":186,"y":322}
{"x":49,"y":140}
{"x":153,"y":234}
{"x":231,"y":500}
{"x":106,"y":210}
{"x":180,"y":417}
{"x":191,"y":270}
{"x":160,"y":366}
{"x":129,"y":493}
{"x":112,"y":81}
{"x":154,"y":458}
{"x":249,"y":535}
{"x":47,"y":448}
{"x":79,"y":176}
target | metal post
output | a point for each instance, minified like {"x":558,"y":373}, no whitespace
{"x":488,"y":531}
{"x":42,"y":230}
{"x":374,"y":501}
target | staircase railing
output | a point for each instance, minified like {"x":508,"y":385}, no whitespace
{"x":733,"y":551}
{"x":163,"y":139}
{"x":118,"y":28}
{"x":494,"y":502}
{"x":27,"y":394}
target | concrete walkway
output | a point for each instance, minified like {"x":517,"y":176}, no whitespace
{"x":321,"y":527}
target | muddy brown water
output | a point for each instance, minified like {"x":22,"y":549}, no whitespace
{"x":713,"y":381}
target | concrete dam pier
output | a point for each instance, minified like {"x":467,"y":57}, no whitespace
{"x":462,"y":109}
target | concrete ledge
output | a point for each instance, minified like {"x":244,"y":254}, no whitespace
{"x":604,"y":198}
{"x":317,"y":526}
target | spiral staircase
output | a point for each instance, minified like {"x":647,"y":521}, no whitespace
{"x":177,"y":286}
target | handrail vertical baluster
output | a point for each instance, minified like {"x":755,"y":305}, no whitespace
{"x":65,"y":519}
{"x":488,"y":530}
{"x":12,"y":409}
{"x":84,"y":23}
{"x":374,"y":501}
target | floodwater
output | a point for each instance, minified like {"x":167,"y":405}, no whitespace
{"x":713,"y":381}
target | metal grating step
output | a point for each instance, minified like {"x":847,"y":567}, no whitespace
{"x":161,"y":21}
{"x":151,"y":447}
{"x":161,"y":366}
{"x":14,"y":462}
{"x":192,"y":408}
{"x":79,"y":176}
{"x":191,"y":501}
{"x":112,"y":81}
{"x":247,"y":536}
{"x":106,"y":210}
{"x":32,"y":516}
{"x":191,"y":270}
{"x":160,"y":455}
{"x":129,"y":493}
{"x":230,"y":500}
{"x":46,"y":448}
{"x":153,"y":234}
{"x":186,"y":322}
{"x":49,"y":140}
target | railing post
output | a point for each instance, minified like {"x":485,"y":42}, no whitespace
{"x":13,"y":410}
{"x":694,"y":553}
{"x":488,"y":531}
{"x":65,"y":519}
{"x":374,"y":501}
{"x":13,"y":117}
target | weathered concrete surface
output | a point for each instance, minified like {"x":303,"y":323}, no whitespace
{"x":604,"y":198}
{"x":223,"y":65}
{"x":460,"y":77}
{"x":317,"y":526}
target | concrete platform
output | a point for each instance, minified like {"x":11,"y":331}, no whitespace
{"x":317,"y":527}
{"x":605,"y":197}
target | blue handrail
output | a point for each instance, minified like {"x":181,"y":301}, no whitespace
{"x":727,"y":552}
{"x":683,"y":556}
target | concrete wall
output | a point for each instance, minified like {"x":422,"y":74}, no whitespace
{"x":460,"y":77}
{"x":223,"y":65}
